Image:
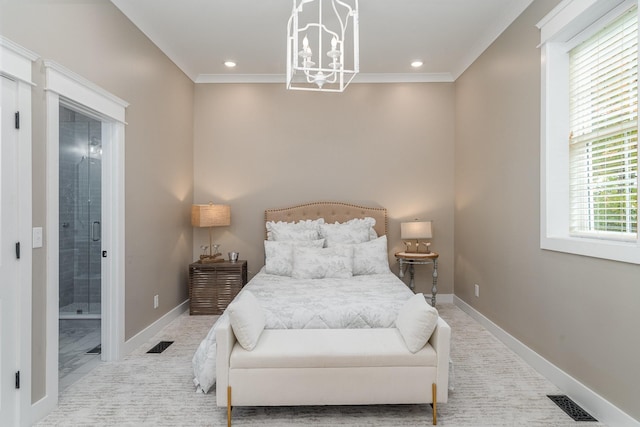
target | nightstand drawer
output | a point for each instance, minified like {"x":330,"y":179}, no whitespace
{"x":213,"y":286}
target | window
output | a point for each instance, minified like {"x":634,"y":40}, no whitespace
{"x":589,"y":177}
{"x":603,"y":132}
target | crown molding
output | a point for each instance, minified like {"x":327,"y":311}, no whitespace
{"x":485,"y":40}
{"x":404,"y":78}
{"x":360,"y":78}
{"x":240,"y":78}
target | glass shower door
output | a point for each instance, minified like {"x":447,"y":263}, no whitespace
{"x":80,"y":245}
{"x":80,"y":206}
{"x":90,"y":232}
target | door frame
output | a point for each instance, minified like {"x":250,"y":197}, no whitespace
{"x":16,"y":63}
{"x":64,"y":87}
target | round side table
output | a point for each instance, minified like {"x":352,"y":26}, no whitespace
{"x":412,"y":259}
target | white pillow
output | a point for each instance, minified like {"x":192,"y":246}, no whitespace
{"x":368,"y":222}
{"x":314,"y":263}
{"x":371,"y":257}
{"x":416,"y":322}
{"x":301,"y":230}
{"x":350,"y":232}
{"x":279,"y":255}
{"x":247,"y":319}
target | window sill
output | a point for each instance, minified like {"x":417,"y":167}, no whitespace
{"x":595,"y":248}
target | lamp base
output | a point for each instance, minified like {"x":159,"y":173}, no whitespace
{"x":416,"y":249}
{"x":207,"y":259}
{"x":427,"y":246}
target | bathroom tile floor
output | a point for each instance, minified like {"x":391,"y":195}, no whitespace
{"x":83,"y":307}
{"x":77,"y":336}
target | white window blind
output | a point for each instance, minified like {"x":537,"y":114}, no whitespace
{"x":603,"y":139}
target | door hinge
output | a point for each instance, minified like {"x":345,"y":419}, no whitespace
{"x":17,"y":250}
{"x":17,"y":379}
{"x":17,"y":120}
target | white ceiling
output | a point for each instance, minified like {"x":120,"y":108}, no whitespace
{"x":199,"y":35}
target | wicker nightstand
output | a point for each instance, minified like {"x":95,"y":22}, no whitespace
{"x":212,"y":286}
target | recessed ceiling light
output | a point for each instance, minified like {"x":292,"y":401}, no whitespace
{"x":229,"y":64}
{"x":416,"y":64}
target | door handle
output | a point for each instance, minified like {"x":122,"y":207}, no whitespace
{"x":96,"y":231}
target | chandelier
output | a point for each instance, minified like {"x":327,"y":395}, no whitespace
{"x":322,"y":45}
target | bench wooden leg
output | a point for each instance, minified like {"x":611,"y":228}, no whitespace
{"x":435,"y":404}
{"x":229,"y":406}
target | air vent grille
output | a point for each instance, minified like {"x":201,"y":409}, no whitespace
{"x":160,"y":347}
{"x":571,"y":408}
{"x":95,"y":350}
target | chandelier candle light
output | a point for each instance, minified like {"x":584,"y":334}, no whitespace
{"x":316,"y":25}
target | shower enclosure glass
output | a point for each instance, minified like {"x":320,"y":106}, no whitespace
{"x":80,"y":205}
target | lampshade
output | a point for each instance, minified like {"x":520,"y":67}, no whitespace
{"x":415,"y":230}
{"x":210,"y":215}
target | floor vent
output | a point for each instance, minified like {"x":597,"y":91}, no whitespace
{"x":571,"y":408}
{"x":160,"y":347}
{"x":95,"y":350}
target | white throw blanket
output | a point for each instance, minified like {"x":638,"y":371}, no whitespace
{"x":370,"y":301}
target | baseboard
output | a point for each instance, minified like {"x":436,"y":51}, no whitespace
{"x":592,"y":402}
{"x":441,"y":298}
{"x":40,"y":409}
{"x":147,"y":333}
{"x":44,"y":406}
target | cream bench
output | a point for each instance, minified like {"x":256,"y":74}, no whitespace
{"x":331,"y":367}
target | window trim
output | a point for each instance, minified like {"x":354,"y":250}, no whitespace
{"x":561,"y":30}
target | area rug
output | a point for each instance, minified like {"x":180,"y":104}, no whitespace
{"x":492,"y":387}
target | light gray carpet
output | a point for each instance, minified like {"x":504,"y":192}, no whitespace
{"x":493,"y":387}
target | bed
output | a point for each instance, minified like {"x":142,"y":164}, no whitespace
{"x":325,"y":321}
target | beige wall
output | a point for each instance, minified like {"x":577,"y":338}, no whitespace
{"x":93,"y":39}
{"x":261,"y":146}
{"x":580,"y":313}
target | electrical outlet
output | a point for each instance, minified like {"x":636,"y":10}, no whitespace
{"x":155,"y":301}
{"x":477,"y":290}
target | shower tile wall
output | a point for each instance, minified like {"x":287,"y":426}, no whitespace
{"x":79,"y":273}
{"x":67,"y":209}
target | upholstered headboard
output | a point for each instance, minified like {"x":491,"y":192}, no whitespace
{"x":331,"y":212}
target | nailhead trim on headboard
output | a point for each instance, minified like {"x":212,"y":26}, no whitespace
{"x":331,"y":212}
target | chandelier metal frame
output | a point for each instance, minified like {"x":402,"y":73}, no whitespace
{"x":330,"y":74}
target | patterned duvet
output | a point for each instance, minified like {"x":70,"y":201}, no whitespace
{"x":368,"y":301}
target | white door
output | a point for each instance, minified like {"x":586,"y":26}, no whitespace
{"x":9,"y":274}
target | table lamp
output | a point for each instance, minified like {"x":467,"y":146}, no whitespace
{"x":416,"y":230}
{"x":210,"y":216}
